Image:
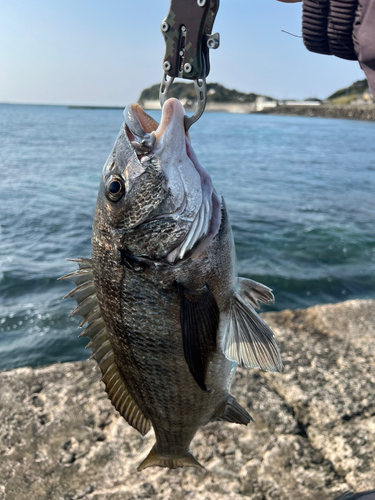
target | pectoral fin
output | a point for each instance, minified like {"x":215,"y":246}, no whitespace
{"x":247,"y":340}
{"x":199,"y":318}
{"x":254,"y":292}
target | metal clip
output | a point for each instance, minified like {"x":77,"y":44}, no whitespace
{"x":201,"y":93}
{"x":187,"y":33}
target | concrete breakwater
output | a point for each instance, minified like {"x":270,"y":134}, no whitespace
{"x":350,"y":111}
{"x":225,"y":107}
{"x":353,"y":112}
{"x":313,"y":436}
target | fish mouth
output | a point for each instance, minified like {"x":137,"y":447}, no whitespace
{"x":144,"y":132}
{"x":140,"y":129}
{"x":170,"y":142}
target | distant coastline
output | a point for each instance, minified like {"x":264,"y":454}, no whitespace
{"x":355,"y":102}
{"x":365,"y":112}
{"x":95,"y":107}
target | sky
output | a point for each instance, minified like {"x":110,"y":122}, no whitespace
{"x":106,"y":52}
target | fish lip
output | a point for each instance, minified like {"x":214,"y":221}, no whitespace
{"x":172,"y":111}
{"x":135,"y":115}
{"x":140,"y":129}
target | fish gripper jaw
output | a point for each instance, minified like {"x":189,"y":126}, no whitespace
{"x":187,"y":33}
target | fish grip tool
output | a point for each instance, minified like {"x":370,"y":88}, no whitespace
{"x":187,"y":31}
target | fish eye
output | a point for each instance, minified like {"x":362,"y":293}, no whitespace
{"x":115,"y":188}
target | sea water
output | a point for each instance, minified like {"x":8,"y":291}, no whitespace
{"x":300,"y":193}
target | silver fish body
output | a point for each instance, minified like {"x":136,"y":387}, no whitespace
{"x":168,"y":318}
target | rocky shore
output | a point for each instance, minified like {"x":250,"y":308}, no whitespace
{"x":351,"y":111}
{"x":313,"y":436}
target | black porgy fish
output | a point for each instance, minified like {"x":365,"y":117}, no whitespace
{"x":168,"y":318}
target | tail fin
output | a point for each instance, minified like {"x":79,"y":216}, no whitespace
{"x":154,"y":460}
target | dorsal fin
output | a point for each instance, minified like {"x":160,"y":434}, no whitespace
{"x":96,"y":331}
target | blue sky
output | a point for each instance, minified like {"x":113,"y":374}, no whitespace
{"x":105,"y":52}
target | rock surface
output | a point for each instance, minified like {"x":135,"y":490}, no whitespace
{"x":313,"y":437}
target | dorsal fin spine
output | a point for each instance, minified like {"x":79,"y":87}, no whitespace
{"x":102,"y":351}
{"x":83,"y":262}
{"x":114,"y":388}
{"x":113,"y":377}
{"x":122,"y":408}
{"x":129,"y":409}
{"x":85,"y":307}
{"x":96,"y":331}
{"x":79,"y":277}
{"x":109,"y":372}
{"x":119,"y":400}
{"x":131,"y":414}
{"x":104,"y":364}
{"x":136,"y":417}
{"x":98,"y":339}
{"x":116,"y":395}
{"x":82,"y":291}
{"x":91,"y":316}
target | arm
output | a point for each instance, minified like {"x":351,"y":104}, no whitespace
{"x":343,"y":28}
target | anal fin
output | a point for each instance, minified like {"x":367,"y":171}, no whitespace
{"x":155,"y":460}
{"x":233,"y":412}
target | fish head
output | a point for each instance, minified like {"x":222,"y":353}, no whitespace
{"x":155,"y":199}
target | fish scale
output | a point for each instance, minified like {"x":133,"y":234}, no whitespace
{"x":158,"y":336}
{"x":157,"y":235}
{"x":168,"y":318}
{"x":149,"y":332}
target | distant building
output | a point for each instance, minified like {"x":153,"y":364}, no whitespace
{"x":262,"y":102}
{"x":364,"y":98}
{"x":368,"y":96}
{"x":150,"y":104}
{"x":308,"y":102}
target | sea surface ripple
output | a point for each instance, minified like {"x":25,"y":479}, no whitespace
{"x":299,"y":191}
